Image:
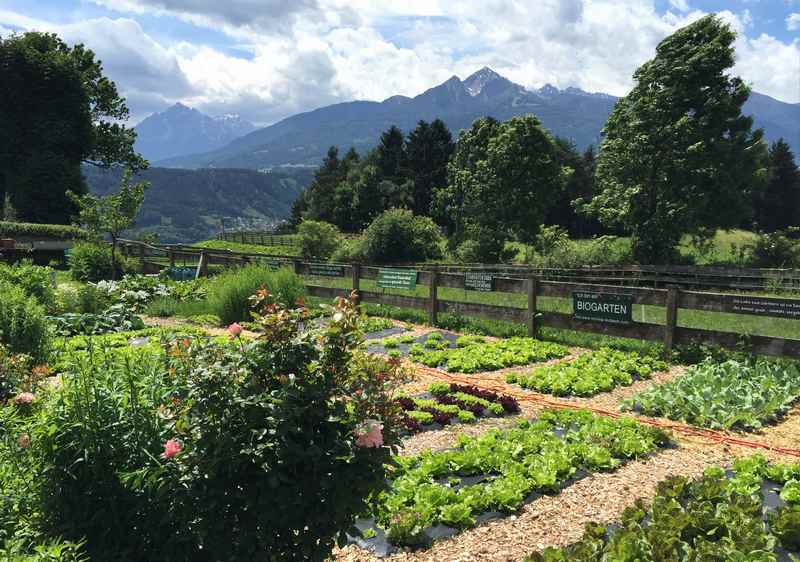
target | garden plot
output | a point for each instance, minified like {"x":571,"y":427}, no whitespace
{"x":405,"y":345}
{"x":436,"y":494}
{"x":749,"y":513}
{"x":589,"y":374}
{"x":445,"y":404}
{"x":729,"y":395}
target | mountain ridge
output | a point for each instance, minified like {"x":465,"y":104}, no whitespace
{"x":303,"y":139}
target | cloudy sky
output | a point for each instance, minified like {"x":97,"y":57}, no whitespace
{"x":267,"y":59}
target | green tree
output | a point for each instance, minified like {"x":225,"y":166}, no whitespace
{"x":778,"y":204}
{"x":578,"y":187}
{"x":501,"y":182}
{"x":678,"y":156}
{"x":390,"y":155}
{"x":318,"y":240}
{"x":111,"y":214}
{"x":428,"y":150}
{"x":57,"y":111}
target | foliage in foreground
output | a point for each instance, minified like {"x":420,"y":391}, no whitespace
{"x":117,"y":318}
{"x":204,"y":452}
{"x":33,"y":279}
{"x":732,"y":394}
{"x":427,"y":488}
{"x":589,"y":374}
{"x":712,"y":518}
{"x":22,"y":324}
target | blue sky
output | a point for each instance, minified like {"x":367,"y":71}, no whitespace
{"x":267,"y":59}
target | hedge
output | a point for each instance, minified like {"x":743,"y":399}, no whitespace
{"x":57,"y":231}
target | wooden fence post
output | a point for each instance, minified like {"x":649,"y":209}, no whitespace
{"x":202,"y":266}
{"x":433,"y":303}
{"x":532,"y":287}
{"x":298,"y":266}
{"x":672,"y":318}
{"x":356,"y":269}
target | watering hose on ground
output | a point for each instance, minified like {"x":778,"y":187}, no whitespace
{"x":713,"y":436}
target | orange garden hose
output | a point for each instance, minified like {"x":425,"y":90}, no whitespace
{"x":713,"y":436}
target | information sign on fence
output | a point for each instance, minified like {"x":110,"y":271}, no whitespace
{"x":602,"y":307}
{"x":784,"y":308}
{"x":326,"y":270}
{"x":396,"y":279}
{"x":479,"y":281}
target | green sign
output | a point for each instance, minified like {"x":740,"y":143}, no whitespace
{"x":396,"y":279}
{"x":326,"y":270}
{"x":479,"y":281}
{"x":764,"y":306}
{"x":603,"y":307}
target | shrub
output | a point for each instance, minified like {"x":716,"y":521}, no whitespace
{"x":36,"y":230}
{"x":397,"y":235}
{"x":253,"y":439}
{"x":22,"y":324}
{"x":483,"y":246}
{"x":33,"y":279}
{"x":85,"y":299}
{"x":351,"y":250}
{"x":774,"y":249}
{"x":229,"y":294}
{"x":14,"y":369}
{"x":92,"y":262}
{"x":318,"y":239}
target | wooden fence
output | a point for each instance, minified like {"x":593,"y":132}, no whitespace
{"x":672,"y":299}
{"x":516,"y":281}
{"x":259,"y":238}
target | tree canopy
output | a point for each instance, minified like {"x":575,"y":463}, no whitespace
{"x":678,"y":156}
{"x":501,"y":182}
{"x":778,"y":205}
{"x":44,"y":138}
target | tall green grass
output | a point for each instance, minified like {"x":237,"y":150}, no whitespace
{"x":229,"y":293}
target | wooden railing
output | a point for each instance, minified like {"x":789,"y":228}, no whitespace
{"x":259,"y":238}
{"x":673,"y":298}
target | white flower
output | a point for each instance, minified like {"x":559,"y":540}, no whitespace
{"x":338,"y":317}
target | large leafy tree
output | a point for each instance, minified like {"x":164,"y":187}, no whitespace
{"x":57,"y":111}
{"x":678,"y":156}
{"x":579,"y":187}
{"x":428,"y":150}
{"x":778,"y":205}
{"x":501,"y":182}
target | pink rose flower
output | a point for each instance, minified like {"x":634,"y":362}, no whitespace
{"x":24,"y":441}
{"x":171,"y":448}
{"x":234,"y":330}
{"x":372,"y":437}
{"x":24,"y":398}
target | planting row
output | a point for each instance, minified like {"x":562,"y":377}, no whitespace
{"x":452,"y":402}
{"x":590,"y":373}
{"x":732,"y":394}
{"x":751,"y":513}
{"x":474,"y":355}
{"x":500,"y":470}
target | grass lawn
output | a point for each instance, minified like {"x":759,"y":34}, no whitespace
{"x":291,"y":251}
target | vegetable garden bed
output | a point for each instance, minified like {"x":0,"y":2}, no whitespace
{"x":452,"y":402}
{"x":728,"y":395}
{"x":437,"y":493}
{"x":589,"y":374}
{"x":750,"y":513}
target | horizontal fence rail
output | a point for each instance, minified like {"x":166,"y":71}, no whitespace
{"x":259,"y":238}
{"x":673,"y":298}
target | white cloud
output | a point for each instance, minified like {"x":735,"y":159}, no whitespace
{"x":310,"y":53}
{"x":793,"y":21}
{"x":680,"y":5}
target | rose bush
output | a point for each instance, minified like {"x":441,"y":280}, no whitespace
{"x":263,"y":449}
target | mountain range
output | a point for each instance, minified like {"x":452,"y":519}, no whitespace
{"x":181,"y":130}
{"x":303,"y":139}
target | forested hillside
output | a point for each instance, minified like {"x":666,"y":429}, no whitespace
{"x":187,"y":205}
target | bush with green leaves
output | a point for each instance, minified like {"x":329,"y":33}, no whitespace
{"x":35,"y":280}
{"x":773,"y":249}
{"x":205,"y":452}
{"x":318,"y":239}
{"x":91,"y":262}
{"x":23,"y":327}
{"x":229,"y":295}
{"x":397,"y":235}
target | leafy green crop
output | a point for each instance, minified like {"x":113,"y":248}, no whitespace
{"x":713,"y":518}
{"x":726,"y":395}
{"x":516,"y":462}
{"x":590,"y":373}
{"x":476,"y":357}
